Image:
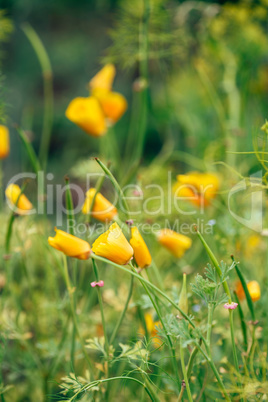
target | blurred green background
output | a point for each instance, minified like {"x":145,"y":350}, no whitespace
{"x":227,"y":41}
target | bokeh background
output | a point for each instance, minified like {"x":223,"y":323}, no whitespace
{"x":189,"y":42}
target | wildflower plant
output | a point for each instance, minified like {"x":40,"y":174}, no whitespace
{"x":209,"y":288}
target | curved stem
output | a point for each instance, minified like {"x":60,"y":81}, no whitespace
{"x":227,"y":291}
{"x":233,"y":340}
{"x":185,"y":316}
{"x":48,"y":90}
{"x":172,"y":349}
{"x":30,"y":151}
{"x":216,"y":265}
{"x":71,"y":296}
{"x":97,"y":257}
{"x":97,"y":188}
{"x":95,"y":268}
{"x":115,"y":184}
{"x":11,"y":220}
{"x":119,"y":322}
{"x":216,"y":373}
{"x":185,"y":374}
{"x":189,"y":369}
{"x":96,"y":383}
{"x":210,"y":317}
{"x":157,"y":275}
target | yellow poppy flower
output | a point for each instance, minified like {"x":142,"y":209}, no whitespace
{"x":102,"y":108}
{"x":70,"y":245}
{"x":88,"y":115}
{"x":13,"y":192}
{"x":198,"y":188}
{"x":113,"y":104}
{"x":253,"y":288}
{"x":4,"y":142}
{"x":175,"y":242}
{"x":141,"y":253}
{"x":113,"y":245}
{"x":104,"y":78}
{"x":102,"y":210}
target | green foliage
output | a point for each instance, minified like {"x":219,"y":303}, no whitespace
{"x":209,"y":288}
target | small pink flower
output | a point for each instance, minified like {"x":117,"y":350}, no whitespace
{"x":137,"y":193}
{"x":100,"y":284}
{"x":230,"y":306}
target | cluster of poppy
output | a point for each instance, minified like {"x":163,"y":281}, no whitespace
{"x":102,"y":108}
{"x":94,"y":114}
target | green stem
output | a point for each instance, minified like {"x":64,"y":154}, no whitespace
{"x":227,"y":291}
{"x":185,"y":316}
{"x":189,"y":369}
{"x":69,"y":204}
{"x":97,"y":188}
{"x":157,"y":309}
{"x":119,"y":322}
{"x":231,"y":320}
{"x":157,"y":275}
{"x":48,"y":90}
{"x":242,"y":321}
{"x":70,"y":219}
{"x":30,"y":151}
{"x":121,"y":267}
{"x":144,"y":77}
{"x":185,"y":374}
{"x":59,"y":353}
{"x":115,"y":184}
{"x":245,"y":288}
{"x":97,"y":382}
{"x":72,"y":305}
{"x":11,"y":221}
{"x":210,"y":317}
{"x":216,"y":265}
{"x":216,"y":373}
{"x":95,"y":268}
{"x":106,"y":340}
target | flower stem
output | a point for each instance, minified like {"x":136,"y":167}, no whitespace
{"x":157,"y":309}
{"x":157,"y":275}
{"x":210,"y":317}
{"x":119,"y":322}
{"x":185,"y":374}
{"x":71,"y":297}
{"x":189,"y":369}
{"x":106,"y":340}
{"x":185,"y":316}
{"x":11,"y":221}
{"x":48,"y":90}
{"x":216,"y":265}
{"x":242,"y":321}
{"x":116,"y":186}
{"x":96,"y":272}
{"x":97,"y":188}
{"x":227,"y":291}
{"x":87,"y":387}
{"x":29,"y":150}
